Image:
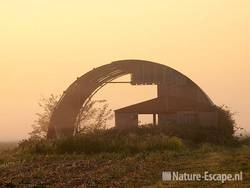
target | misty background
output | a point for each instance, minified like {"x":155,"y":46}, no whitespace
{"x":45,"y":45}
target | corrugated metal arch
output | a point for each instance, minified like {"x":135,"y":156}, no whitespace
{"x":62,"y":122}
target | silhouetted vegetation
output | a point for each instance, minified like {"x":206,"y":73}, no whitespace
{"x":92,"y":116}
{"x":102,"y":142}
{"x":93,"y":137}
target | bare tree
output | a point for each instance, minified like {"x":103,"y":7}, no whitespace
{"x":92,"y":116}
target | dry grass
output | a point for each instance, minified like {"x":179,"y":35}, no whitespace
{"x":124,"y":169}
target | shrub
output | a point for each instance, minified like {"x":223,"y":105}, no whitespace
{"x":175,"y":143}
{"x":36,"y":145}
{"x":206,"y":148}
{"x":96,"y":143}
{"x":139,"y":139}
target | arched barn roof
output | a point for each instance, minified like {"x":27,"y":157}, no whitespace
{"x":62,"y":122}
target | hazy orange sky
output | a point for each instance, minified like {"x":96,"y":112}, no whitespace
{"x":45,"y":45}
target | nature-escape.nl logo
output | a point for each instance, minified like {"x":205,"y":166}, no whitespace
{"x":206,"y":176}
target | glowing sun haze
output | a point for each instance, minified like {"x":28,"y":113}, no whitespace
{"x":45,"y":45}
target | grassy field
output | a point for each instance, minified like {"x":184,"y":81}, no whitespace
{"x":133,"y":157}
{"x":124,"y":169}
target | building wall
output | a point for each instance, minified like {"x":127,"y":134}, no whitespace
{"x":208,"y":118}
{"x":189,"y":117}
{"x":126,"y":120}
{"x":166,"y":119}
{"x":186,"y":92}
